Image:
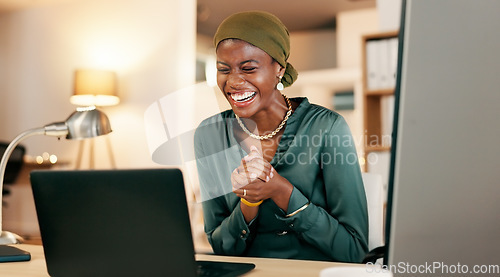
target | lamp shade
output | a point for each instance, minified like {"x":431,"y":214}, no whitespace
{"x":87,"y":124}
{"x":94,"y":88}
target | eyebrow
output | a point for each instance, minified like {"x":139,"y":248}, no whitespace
{"x":249,"y":61}
{"x":241,"y":63}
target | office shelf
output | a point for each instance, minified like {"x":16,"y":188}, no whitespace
{"x":379,"y":60}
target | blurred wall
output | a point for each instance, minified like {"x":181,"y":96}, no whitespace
{"x":149,"y":43}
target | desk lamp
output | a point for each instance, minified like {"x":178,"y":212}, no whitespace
{"x":83,"y":123}
{"x":94,"y":87}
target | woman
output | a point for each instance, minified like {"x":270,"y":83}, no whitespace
{"x":279,"y":177}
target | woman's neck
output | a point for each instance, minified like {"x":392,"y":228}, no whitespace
{"x":270,"y":118}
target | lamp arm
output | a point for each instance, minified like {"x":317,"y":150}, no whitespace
{"x":5,"y":158}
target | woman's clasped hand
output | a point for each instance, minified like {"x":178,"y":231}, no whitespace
{"x":251,"y":180}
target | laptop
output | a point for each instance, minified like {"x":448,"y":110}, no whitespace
{"x":119,"y":223}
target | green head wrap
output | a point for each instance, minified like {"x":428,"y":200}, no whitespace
{"x":264,"y":31}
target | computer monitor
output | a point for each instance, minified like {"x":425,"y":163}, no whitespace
{"x":444,"y":185}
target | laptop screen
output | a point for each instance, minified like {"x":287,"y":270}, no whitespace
{"x":114,"y":222}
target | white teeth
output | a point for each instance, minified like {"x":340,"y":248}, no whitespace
{"x":241,"y":97}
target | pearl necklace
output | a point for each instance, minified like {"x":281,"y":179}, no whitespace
{"x":273,"y":133}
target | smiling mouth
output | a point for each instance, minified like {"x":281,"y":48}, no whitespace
{"x":242,"y":97}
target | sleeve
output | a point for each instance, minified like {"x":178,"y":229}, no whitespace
{"x":226,"y":230}
{"x":225,"y":226}
{"x":341,"y":229}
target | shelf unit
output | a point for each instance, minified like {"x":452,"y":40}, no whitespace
{"x":375,"y":96}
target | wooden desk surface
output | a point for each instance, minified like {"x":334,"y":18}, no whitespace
{"x":263,"y":267}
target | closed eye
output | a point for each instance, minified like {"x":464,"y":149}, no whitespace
{"x":223,"y":70}
{"x":249,"y":69}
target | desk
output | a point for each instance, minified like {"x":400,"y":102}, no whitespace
{"x":263,"y":267}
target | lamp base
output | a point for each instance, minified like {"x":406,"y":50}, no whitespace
{"x":10,"y":238}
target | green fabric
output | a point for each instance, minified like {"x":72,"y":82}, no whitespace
{"x":317,"y":155}
{"x":263,"y":30}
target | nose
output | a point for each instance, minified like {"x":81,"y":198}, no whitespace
{"x":235,"y":81}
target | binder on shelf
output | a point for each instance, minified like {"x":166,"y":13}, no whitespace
{"x":383,"y":51}
{"x":381,"y":63}
{"x":372,"y":65}
{"x":387,"y":119}
{"x":393,"y":60}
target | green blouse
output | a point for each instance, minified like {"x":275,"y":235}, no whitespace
{"x":317,"y":155}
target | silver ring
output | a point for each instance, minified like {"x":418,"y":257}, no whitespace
{"x":244,"y":192}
